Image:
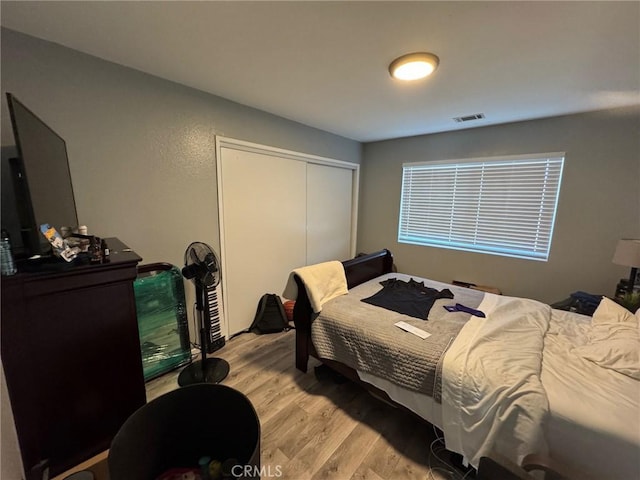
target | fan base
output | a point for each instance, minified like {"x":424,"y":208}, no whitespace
{"x":209,"y":370}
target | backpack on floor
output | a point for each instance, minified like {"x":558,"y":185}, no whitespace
{"x":270,"y":315}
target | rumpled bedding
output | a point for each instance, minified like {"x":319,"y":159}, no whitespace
{"x":594,"y":425}
{"x":492,"y":396}
{"x":489,"y":382}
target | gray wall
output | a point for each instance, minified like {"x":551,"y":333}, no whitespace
{"x":142,"y":149}
{"x":599,"y":202}
{"x":141,"y":153}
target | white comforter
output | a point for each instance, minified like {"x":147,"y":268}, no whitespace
{"x":493,"y":399}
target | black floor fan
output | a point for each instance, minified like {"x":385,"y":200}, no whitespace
{"x":201,"y":265}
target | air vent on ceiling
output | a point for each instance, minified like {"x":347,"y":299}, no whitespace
{"x":468,"y":118}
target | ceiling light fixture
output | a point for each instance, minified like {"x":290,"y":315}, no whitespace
{"x":414,"y":66}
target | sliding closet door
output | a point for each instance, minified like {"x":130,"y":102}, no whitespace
{"x":329,"y":213}
{"x":263,"y":228}
{"x":279,"y":210}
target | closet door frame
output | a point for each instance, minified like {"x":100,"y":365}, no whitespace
{"x":242,"y":145}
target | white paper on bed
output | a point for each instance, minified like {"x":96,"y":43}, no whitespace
{"x":323,"y":282}
{"x":492,"y":396}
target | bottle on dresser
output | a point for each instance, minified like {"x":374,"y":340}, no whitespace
{"x":6,"y":254}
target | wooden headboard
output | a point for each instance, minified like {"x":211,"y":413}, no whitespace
{"x":366,"y":267}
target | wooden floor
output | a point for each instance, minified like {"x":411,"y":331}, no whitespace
{"x":320,"y":429}
{"x":315,"y":429}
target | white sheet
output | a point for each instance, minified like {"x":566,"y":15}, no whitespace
{"x":594,"y":422}
{"x":492,"y":396}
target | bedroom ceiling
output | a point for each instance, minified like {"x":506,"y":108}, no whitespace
{"x":324,"y":64}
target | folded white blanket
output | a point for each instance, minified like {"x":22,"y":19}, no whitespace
{"x":323,"y":282}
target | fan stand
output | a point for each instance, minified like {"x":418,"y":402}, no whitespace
{"x":205,"y":370}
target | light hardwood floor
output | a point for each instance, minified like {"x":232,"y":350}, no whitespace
{"x":312,"y":429}
{"x":315,"y":429}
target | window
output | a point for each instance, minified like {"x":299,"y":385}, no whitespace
{"x":502,"y":206}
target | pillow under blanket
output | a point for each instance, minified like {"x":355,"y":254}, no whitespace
{"x":614,"y":339}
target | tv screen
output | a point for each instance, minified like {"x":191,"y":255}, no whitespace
{"x":41,"y":176}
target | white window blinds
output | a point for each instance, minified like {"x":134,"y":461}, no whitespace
{"x":501,"y":206}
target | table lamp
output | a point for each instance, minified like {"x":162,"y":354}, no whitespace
{"x":628,"y":254}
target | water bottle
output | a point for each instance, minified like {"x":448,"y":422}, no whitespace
{"x":6,"y":255}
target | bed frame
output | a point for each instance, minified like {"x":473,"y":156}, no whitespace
{"x":357,"y":270}
{"x":362,"y":269}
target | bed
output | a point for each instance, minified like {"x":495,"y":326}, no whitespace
{"x":524,"y":379}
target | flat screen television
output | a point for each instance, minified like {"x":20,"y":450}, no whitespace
{"x":42,"y":180}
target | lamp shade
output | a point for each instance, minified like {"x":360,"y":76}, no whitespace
{"x":627,"y":253}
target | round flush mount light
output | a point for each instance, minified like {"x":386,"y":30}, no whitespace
{"x":414,"y":66}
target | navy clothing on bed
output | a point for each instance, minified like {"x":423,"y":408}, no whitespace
{"x":409,"y":298}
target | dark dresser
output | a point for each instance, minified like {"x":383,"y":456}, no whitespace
{"x":71,"y":357}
